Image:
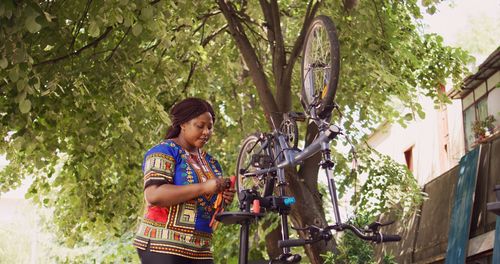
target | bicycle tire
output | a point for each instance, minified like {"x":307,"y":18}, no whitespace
{"x":250,"y":146}
{"x":320,"y":67}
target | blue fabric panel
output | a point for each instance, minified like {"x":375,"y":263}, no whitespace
{"x":458,"y":233}
{"x":496,"y":245}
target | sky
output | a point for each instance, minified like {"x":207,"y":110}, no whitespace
{"x":467,"y":24}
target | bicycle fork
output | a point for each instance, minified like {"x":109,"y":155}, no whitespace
{"x":327,"y":164}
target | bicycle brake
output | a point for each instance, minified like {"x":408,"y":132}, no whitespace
{"x":373,"y":227}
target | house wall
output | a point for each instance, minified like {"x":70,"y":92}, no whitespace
{"x":427,"y":137}
{"x":425,"y":234}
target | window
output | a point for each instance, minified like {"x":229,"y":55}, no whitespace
{"x":469,"y":119}
{"x":475,"y":107}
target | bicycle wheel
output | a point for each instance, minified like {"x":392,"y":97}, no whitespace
{"x":320,"y":67}
{"x":253,"y":156}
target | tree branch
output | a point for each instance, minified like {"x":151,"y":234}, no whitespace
{"x":191,"y":72}
{"x":248,"y":52}
{"x":119,"y":42}
{"x":255,"y":34}
{"x":152,"y":47}
{"x":379,"y":19}
{"x":78,"y":26}
{"x":283,"y":93}
{"x":93,"y":43}
{"x":213,"y":35}
{"x":159,"y":60}
{"x":194,"y":64}
{"x":310,"y":166}
{"x":205,"y":17}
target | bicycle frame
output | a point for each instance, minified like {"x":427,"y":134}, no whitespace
{"x":286,"y":157}
{"x":275,"y":154}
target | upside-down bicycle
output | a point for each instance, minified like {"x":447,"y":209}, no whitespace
{"x":263,"y":157}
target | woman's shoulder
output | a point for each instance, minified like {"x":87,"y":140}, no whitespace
{"x":166,"y":147}
{"x":211,"y":159}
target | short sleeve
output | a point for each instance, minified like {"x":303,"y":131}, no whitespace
{"x":158,"y":166}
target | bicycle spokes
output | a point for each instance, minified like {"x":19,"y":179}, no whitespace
{"x":320,"y":66}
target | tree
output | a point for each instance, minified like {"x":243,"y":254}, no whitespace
{"x":86,"y":87}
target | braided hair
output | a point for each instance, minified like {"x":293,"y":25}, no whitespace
{"x":184,"y":111}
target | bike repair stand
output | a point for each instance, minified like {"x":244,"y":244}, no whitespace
{"x":243,"y":218}
{"x":250,"y":203}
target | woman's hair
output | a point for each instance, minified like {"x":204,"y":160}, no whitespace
{"x":186,"y":110}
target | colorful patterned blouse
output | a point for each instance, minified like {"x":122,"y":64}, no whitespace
{"x":181,"y":229}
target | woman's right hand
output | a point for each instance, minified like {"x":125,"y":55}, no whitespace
{"x":216,"y":185}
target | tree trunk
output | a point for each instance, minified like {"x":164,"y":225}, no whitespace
{"x":273,"y":251}
{"x":303,"y":184}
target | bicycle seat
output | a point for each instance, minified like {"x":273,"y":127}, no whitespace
{"x":297,"y":116}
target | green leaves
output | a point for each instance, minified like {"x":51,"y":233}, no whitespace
{"x":14,"y":74}
{"x":25,"y":106}
{"x":4,"y":63}
{"x":31,"y":23}
{"x":92,"y":103}
{"x":147,"y":13}
{"x":136,"y":29}
{"x":94,"y":30}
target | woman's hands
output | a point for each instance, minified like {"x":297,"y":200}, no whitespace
{"x":228,"y":196}
{"x":212,"y":186}
{"x":220,"y":185}
{"x":168,"y":194}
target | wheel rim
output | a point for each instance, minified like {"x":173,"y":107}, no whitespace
{"x":317,"y":65}
{"x":248,"y":149}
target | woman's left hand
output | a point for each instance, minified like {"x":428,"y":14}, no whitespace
{"x":228,"y":195}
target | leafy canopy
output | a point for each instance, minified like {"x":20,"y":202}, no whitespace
{"x":85,"y":88}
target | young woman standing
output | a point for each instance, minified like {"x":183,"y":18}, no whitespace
{"x":181,"y":184}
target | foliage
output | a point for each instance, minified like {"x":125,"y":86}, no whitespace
{"x":482,"y":27}
{"x":480,"y":127}
{"x":97,"y":88}
{"x":352,"y":250}
{"x":489,"y":123}
{"x":85,"y":88}
{"x":388,"y":185}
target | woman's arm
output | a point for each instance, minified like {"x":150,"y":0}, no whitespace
{"x":168,"y":194}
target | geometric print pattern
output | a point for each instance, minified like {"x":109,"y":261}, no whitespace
{"x":184,"y":230}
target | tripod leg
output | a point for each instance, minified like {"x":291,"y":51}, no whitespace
{"x":245,"y":227}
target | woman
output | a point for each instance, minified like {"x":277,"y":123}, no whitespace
{"x":181,"y":184}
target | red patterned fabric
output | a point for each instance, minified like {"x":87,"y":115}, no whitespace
{"x":157,"y":214}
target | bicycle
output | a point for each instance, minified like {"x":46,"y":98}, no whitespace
{"x":263,"y":157}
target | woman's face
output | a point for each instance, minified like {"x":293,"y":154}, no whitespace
{"x":197,"y":131}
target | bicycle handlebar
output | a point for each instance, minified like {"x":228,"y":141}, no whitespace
{"x":292,"y":243}
{"x":324,"y":234}
{"x":389,"y":238}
